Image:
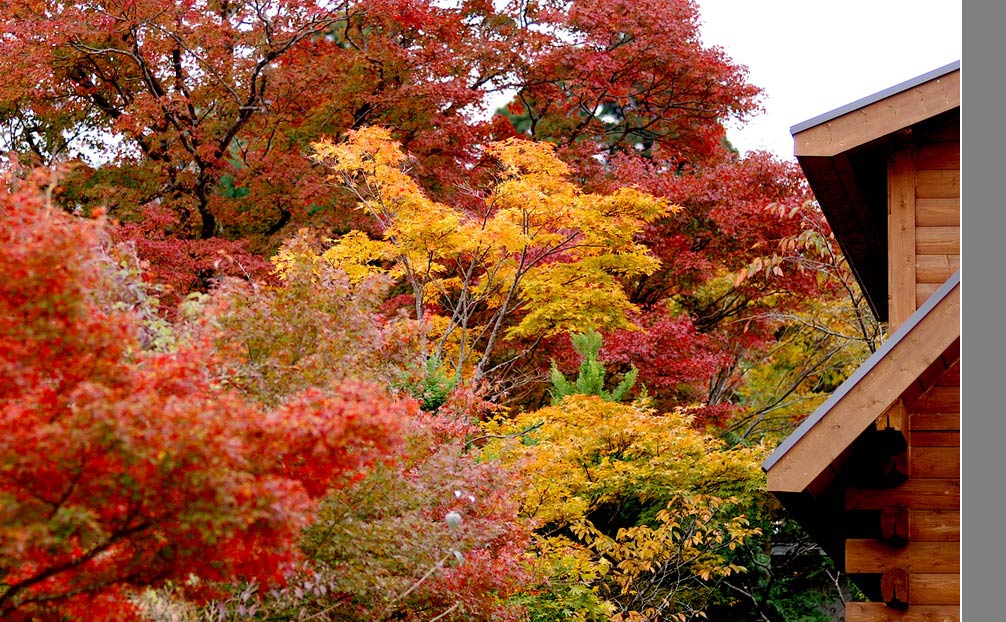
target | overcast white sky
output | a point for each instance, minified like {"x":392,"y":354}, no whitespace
{"x":812,"y":56}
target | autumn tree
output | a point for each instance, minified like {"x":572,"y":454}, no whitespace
{"x":634,"y":506}
{"x":123,"y":464}
{"x":536,"y":257}
{"x":627,"y":78}
{"x":207,"y":110}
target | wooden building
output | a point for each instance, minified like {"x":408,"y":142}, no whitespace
{"x":874,"y":473}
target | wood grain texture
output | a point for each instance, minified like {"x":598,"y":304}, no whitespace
{"x":938,"y":184}
{"x":879,"y":612}
{"x":873,"y":556}
{"x":935,"y":269}
{"x":937,"y":212}
{"x":934,"y":589}
{"x":937,"y":400}
{"x":901,"y":244}
{"x":880,"y":118}
{"x":921,"y":494}
{"x":938,"y":241}
{"x":937,"y":421}
{"x":934,"y":525}
{"x":934,"y":462}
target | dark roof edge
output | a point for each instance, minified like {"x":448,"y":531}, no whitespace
{"x":863,"y":370}
{"x":870,"y":99}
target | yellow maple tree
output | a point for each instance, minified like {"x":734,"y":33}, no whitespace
{"x":536,"y":257}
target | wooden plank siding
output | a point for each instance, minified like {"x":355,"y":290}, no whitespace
{"x":937,"y":215}
{"x":937,"y":400}
{"x":873,"y":556}
{"x":879,"y":612}
{"x":935,"y":269}
{"x":933,"y":462}
{"x":921,"y":494}
{"x":936,"y":438}
{"x":937,"y":422}
{"x":938,"y":184}
{"x":937,"y":212}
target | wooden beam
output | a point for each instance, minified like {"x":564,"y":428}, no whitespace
{"x":934,"y":462}
{"x":872,"y":556}
{"x":901,"y":245}
{"x":860,"y":403}
{"x":880,"y":118}
{"x":934,"y":526}
{"x":938,"y":184}
{"x":934,"y":589}
{"x":945,"y":421}
{"x":927,"y":438}
{"x":937,"y":212}
{"x":937,"y":400}
{"x":895,"y":588}
{"x":879,"y":612}
{"x":922,"y":494}
{"x":936,"y":268}
{"x":938,"y":241}
{"x":895,"y":525}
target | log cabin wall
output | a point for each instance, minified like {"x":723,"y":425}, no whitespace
{"x":924,"y":181}
{"x":917,"y":553}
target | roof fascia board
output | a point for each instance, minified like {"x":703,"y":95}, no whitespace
{"x":870,"y":99}
{"x":877,"y":116}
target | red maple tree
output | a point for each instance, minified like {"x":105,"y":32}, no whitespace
{"x":121,"y":466}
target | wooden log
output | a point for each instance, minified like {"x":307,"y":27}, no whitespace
{"x":939,"y":155}
{"x":938,"y":184}
{"x":936,"y":268}
{"x":938,"y":240}
{"x":945,"y":421}
{"x":872,"y":556}
{"x":937,"y":400}
{"x":934,"y":526}
{"x":937,"y":212}
{"x":927,"y":438}
{"x":901,"y":244}
{"x":895,"y":526}
{"x":922,"y":494}
{"x":895,"y":588}
{"x":934,"y":589}
{"x":879,"y":612}
{"x":934,"y":462}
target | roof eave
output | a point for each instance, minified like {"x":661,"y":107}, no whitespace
{"x":804,"y":455}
